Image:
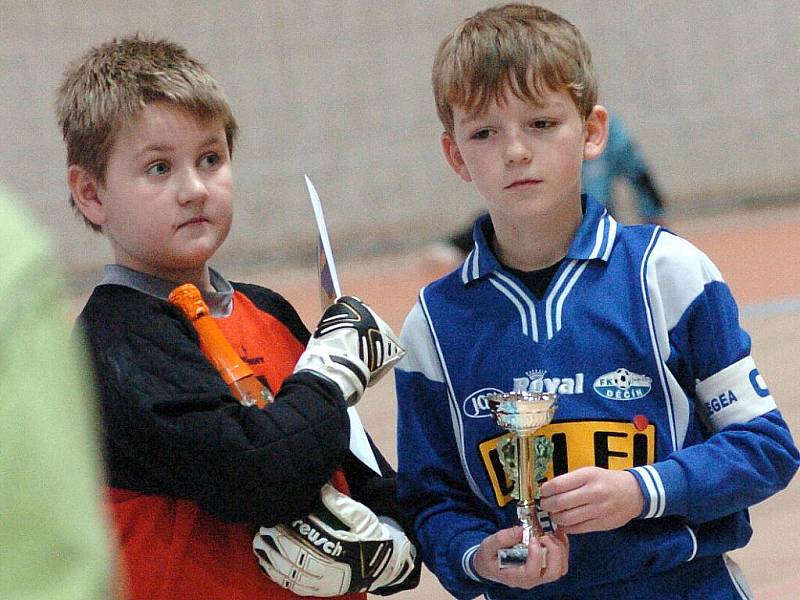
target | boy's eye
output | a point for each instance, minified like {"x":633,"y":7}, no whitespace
{"x":210,"y":159}
{"x":158,"y":168}
{"x":481,"y":134}
{"x":542,"y":124}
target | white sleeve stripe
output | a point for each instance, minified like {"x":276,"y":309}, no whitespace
{"x":661,"y":494}
{"x":655,"y":491}
{"x":465,"y":563}
{"x":694,"y":543}
{"x":648,"y":484}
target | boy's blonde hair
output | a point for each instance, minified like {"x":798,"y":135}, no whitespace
{"x":511,"y":45}
{"x":109,"y":85}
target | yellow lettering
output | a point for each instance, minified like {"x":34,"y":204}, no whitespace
{"x":608,"y":444}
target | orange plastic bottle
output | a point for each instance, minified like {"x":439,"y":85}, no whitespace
{"x":237,"y":374}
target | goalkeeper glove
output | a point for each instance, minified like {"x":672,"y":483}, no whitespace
{"x":341,"y":548}
{"x":352,"y":346}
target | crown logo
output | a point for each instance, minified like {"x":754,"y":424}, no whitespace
{"x":536,"y":374}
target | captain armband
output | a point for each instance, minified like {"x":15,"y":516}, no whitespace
{"x":736,"y":394}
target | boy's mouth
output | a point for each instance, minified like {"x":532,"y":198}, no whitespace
{"x":523,"y":183}
{"x":193,"y":221}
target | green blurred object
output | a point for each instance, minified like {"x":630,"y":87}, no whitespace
{"x":54,"y":541}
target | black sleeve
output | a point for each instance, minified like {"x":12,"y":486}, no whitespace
{"x":172,"y":428}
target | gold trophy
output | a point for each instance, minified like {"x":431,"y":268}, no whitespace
{"x":525,"y":459}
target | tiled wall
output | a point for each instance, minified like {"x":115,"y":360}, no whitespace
{"x":340,"y":90}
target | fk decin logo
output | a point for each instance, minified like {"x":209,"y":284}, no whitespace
{"x":622,"y":385}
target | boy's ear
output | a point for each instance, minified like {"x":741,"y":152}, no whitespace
{"x":596,"y":134}
{"x":83,"y":186}
{"x":453,"y":156}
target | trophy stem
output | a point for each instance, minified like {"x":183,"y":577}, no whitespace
{"x":528,"y":490}
{"x":527,"y":485}
{"x":523,"y":414}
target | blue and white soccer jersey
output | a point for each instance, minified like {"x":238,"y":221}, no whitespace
{"x":639,"y":336}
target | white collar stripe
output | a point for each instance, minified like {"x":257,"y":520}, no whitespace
{"x":598,"y":241}
{"x":523,"y":317}
{"x":612,"y":231}
{"x":522,"y":295}
{"x":554,"y":293}
{"x":567,"y":290}
{"x":465,"y":268}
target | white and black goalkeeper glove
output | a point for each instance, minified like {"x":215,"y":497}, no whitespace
{"x":352,"y":346}
{"x":341,"y":548}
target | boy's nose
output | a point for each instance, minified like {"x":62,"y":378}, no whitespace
{"x":192,"y":188}
{"x":517,"y":151}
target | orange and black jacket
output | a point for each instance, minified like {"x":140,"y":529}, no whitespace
{"x":191,"y":472}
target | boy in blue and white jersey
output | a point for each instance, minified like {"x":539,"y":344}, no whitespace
{"x":665,"y":431}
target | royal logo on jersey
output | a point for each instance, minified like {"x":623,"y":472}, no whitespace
{"x":622,"y":385}
{"x":535,"y":381}
{"x":476,"y":405}
{"x":608,"y":444}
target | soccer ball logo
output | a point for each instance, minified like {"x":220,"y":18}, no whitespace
{"x":622,"y":379}
{"x":622,"y":384}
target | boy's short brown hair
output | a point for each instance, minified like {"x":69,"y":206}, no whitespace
{"x":110,"y":84}
{"x":511,"y":44}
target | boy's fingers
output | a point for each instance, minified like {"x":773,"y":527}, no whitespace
{"x":564,"y":483}
{"x":506,"y":538}
{"x":556,"y":558}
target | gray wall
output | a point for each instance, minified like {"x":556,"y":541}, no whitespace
{"x":340,"y":90}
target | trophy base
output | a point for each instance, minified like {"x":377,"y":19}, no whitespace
{"x":516,"y":556}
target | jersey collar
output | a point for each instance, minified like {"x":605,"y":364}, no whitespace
{"x":219,"y":301}
{"x":593,"y":241}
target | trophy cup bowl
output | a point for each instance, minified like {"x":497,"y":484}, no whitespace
{"x":523,"y":414}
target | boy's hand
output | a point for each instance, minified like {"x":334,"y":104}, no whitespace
{"x":530,"y":574}
{"x":352,"y":346}
{"x":592,"y":499}
{"x":340,"y":548}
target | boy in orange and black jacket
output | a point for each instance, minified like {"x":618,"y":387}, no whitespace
{"x":197,"y":480}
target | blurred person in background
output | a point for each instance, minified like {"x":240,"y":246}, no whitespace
{"x":54,"y":542}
